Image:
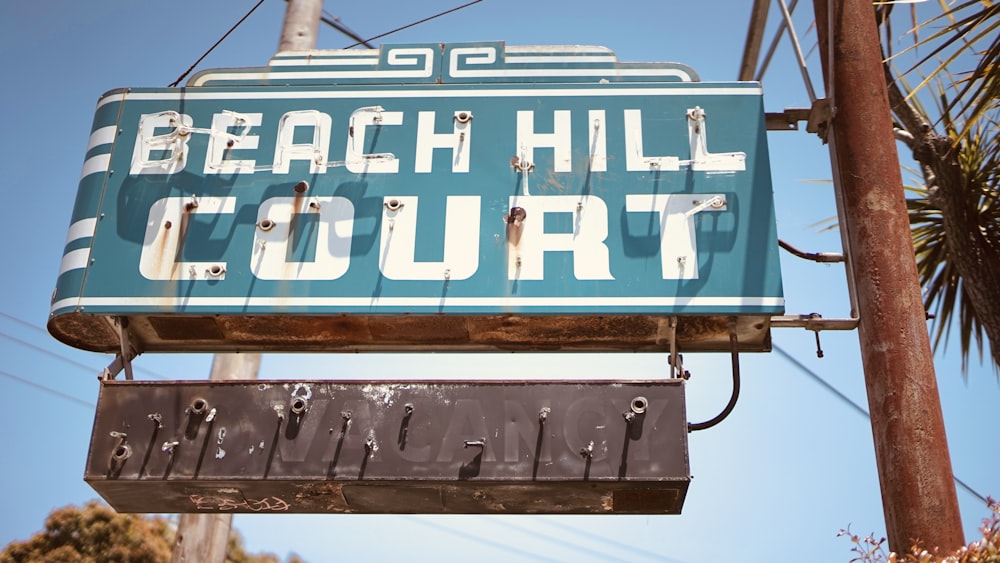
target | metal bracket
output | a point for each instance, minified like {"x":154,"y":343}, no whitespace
{"x":814,"y":322}
{"x":123,"y":359}
{"x":823,"y":257}
{"x":673,"y":347}
{"x":676,"y":360}
{"x":817,"y":118}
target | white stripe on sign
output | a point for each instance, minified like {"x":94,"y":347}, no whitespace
{"x":424,"y":302}
{"x":96,"y":164}
{"x":103,"y":136}
{"x":74,"y":260}
{"x":81,"y":229}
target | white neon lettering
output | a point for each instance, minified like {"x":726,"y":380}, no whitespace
{"x":221,"y":142}
{"x":399,"y":237}
{"x":559,"y":140}
{"x":273,"y":234}
{"x":286,"y":150}
{"x":701,"y":159}
{"x":166,"y":227}
{"x":458,"y":141}
{"x":591,"y":261}
{"x":174,"y":143}
{"x":357,"y":160}
{"x":598,"y":140}
{"x":635,"y":159}
{"x":678,"y":245}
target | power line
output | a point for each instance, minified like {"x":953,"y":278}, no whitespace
{"x":48,"y":390}
{"x":334,"y":22}
{"x":217,"y":43}
{"x":444,"y":13}
{"x":23,"y":323}
{"x":49,"y":353}
{"x":805,"y":369}
{"x":505,"y":546}
{"x":57,"y":355}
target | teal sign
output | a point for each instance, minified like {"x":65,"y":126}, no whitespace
{"x":466,"y":181}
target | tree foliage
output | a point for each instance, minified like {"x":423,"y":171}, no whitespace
{"x":955,"y":213}
{"x":97,"y":534}
{"x":986,"y":550}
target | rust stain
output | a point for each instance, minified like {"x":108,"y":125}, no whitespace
{"x":434,"y":332}
{"x":322,"y":497}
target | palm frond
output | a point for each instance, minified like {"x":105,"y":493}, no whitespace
{"x":975,"y":33}
{"x":945,"y":293}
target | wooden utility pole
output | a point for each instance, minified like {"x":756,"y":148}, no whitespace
{"x":203,"y":538}
{"x":911,"y":450}
{"x":301,"y":25}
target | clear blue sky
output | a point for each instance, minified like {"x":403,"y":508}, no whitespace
{"x":774,"y":482}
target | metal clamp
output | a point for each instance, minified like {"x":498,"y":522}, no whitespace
{"x":123,"y":359}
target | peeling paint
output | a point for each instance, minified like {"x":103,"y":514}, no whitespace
{"x":305,"y":387}
{"x":379,"y":394}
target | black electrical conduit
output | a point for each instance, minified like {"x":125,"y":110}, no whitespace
{"x":735,"y":352}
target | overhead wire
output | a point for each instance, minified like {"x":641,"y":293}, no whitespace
{"x":858,"y":408}
{"x":334,"y":22}
{"x":47,"y":352}
{"x":619,"y":551}
{"x":48,"y":390}
{"x":217,"y":43}
{"x":786,"y":23}
{"x":444,"y":13}
{"x":57,"y":355}
{"x":506,"y":546}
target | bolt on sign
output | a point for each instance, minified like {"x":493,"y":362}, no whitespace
{"x":436,"y":197}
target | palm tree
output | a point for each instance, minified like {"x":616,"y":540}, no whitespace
{"x":955,"y":214}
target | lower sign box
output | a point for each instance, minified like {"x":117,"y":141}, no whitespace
{"x":391,"y":447}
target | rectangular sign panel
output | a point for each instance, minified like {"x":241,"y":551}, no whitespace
{"x":444,"y":447}
{"x":464,"y":196}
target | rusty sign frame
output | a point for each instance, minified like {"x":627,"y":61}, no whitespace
{"x":381,"y":447}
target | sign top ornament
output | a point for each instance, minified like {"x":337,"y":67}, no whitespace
{"x":459,"y":63}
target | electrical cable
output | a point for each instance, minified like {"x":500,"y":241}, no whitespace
{"x":49,"y":390}
{"x":334,"y":22}
{"x":212,"y":48}
{"x":805,"y":369}
{"x":56,"y":355}
{"x":619,"y":551}
{"x":23,"y":323}
{"x":49,"y":353}
{"x":735,"y":360}
{"x":497,"y":544}
{"x":446,"y":12}
{"x":329,"y":21}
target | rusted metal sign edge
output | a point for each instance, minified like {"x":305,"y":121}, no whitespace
{"x":362,"y":333}
{"x":404,"y":447}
